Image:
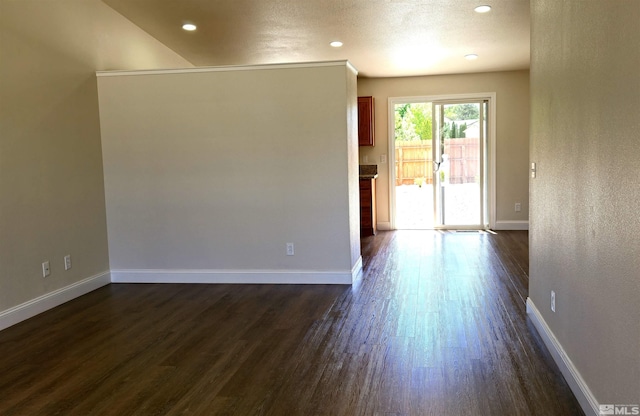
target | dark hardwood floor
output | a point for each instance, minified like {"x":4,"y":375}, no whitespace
{"x":436,"y":326}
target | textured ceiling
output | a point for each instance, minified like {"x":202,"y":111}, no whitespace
{"x":381,"y":38}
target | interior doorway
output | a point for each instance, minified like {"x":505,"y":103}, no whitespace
{"x":441,"y":148}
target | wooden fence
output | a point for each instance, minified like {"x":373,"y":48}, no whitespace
{"x":414,"y":164}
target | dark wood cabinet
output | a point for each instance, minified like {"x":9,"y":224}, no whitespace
{"x":368,"y":218}
{"x":365,"y":121}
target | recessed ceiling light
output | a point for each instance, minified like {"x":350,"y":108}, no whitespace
{"x":189,"y":26}
{"x":471,"y":56}
{"x":336,"y":44}
{"x":483,"y":9}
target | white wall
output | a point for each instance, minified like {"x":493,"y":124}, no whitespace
{"x":584,"y":243}
{"x":209,"y":174}
{"x":51,"y":184}
{"x":512,"y":132}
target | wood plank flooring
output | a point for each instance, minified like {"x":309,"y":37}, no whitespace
{"x":436,"y":326}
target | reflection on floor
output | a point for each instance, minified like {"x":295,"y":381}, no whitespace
{"x":436,"y":327}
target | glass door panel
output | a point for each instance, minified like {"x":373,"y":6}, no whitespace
{"x":414,"y":207}
{"x":459,"y":161}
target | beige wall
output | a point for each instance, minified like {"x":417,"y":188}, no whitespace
{"x":352,"y":155}
{"x":51,"y":184}
{"x":512,"y":130}
{"x":584,"y":214}
{"x":217,"y":171}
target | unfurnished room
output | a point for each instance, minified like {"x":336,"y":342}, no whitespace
{"x":319,"y":208}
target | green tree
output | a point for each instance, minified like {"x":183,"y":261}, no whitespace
{"x":404,"y":129}
{"x":446,"y":131}
{"x":422,"y":120}
{"x":402,"y":109}
{"x":462,"y":130}
{"x":413,"y":122}
{"x":467,"y":111}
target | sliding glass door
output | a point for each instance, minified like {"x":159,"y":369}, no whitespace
{"x":441,"y":164}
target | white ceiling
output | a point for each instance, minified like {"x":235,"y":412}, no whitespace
{"x":382,"y":38}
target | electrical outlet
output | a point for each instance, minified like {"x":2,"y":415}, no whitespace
{"x":518,"y":207}
{"x":383,"y":158}
{"x":290,"y":249}
{"x":553,"y":301}
{"x":67,"y":262}
{"x":46,"y":270}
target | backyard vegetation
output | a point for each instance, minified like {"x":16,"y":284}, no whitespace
{"x":414,"y":121}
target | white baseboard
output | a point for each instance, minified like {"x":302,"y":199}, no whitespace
{"x":511,"y":225}
{"x":577,"y":384}
{"x":345,"y":277}
{"x":50,"y":300}
{"x":384,"y":226}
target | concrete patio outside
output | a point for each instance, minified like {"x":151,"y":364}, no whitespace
{"x":414,"y":206}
